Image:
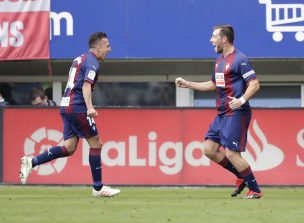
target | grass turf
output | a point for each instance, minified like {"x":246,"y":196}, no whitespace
{"x":148,"y":204}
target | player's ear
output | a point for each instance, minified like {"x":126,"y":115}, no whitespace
{"x":225,"y":39}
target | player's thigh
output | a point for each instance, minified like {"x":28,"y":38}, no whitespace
{"x":68,"y":131}
{"x":213,"y":133}
{"x":234,"y":132}
{"x":83,"y":125}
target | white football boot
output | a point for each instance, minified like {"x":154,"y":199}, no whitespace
{"x":26,"y":168}
{"x":105,"y":191}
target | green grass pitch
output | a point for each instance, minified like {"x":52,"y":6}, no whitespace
{"x":148,"y":204}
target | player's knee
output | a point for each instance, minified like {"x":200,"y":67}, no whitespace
{"x":97,"y":144}
{"x":209,"y":151}
{"x":232,"y":155}
{"x":210,"y":148}
{"x":94,"y":142}
{"x":71,"y":151}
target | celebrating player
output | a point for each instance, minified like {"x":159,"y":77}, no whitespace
{"x":235,"y":82}
{"x":77,"y":113}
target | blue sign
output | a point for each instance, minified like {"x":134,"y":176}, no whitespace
{"x":178,"y":28}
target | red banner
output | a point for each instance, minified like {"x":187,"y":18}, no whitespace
{"x":157,"y":146}
{"x":24,"y":29}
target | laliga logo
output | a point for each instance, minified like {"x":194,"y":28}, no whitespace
{"x":266,"y":156}
{"x":40,"y":141}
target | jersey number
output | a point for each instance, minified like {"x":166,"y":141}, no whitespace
{"x":72,"y":74}
{"x":91,"y":122}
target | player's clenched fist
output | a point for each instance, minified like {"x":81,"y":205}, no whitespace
{"x":180,"y":82}
{"x":92,"y":113}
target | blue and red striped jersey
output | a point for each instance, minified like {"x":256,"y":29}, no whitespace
{"x":231,"y":76}
{"x":84,"y":68}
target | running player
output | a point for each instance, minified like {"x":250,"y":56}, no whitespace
{"x":235,"y":82}
{"x":77,"y":113}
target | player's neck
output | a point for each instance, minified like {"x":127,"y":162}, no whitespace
{"x":94,"y":52}
{"x":228,"y":50}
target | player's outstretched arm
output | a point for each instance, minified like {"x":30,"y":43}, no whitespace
{"x":200,"y":86}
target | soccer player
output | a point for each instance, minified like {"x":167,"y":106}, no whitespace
{"x":77,"y":113}
{"x":235,"y":82}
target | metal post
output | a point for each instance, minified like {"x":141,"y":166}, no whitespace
{"x":57,"y":91}
{"x":302,"y":96}
{"x":1,"y":143}
{"x":184,"y":97}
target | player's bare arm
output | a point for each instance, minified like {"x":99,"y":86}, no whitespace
{"x":200,"y":86}
{"x":87,"y":95}
{"x":253,"y":87}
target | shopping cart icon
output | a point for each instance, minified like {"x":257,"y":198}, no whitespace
{"x":280,"y":18}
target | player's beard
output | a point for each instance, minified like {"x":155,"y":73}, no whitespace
{"x":219,"y":49}
{"x":102,"y":58}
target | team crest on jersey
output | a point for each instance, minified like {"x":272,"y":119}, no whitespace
{"x":91,"y":75}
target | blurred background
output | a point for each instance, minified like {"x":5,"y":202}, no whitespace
{"x":153,"y":42}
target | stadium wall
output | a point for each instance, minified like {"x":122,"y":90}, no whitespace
{"x":154,"y":147}
{"x":145,"y":29}
{"x":1,"y":145}
{"x":177,"y":28}
{"x":156,"y":41}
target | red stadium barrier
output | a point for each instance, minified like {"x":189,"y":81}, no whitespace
{"x":154,"y":146}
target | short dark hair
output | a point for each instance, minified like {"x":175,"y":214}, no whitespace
{"x":226,"y":30}
{"x":37,"y":92}
{"x":5,"y":90}
{"x":95,"y":38}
